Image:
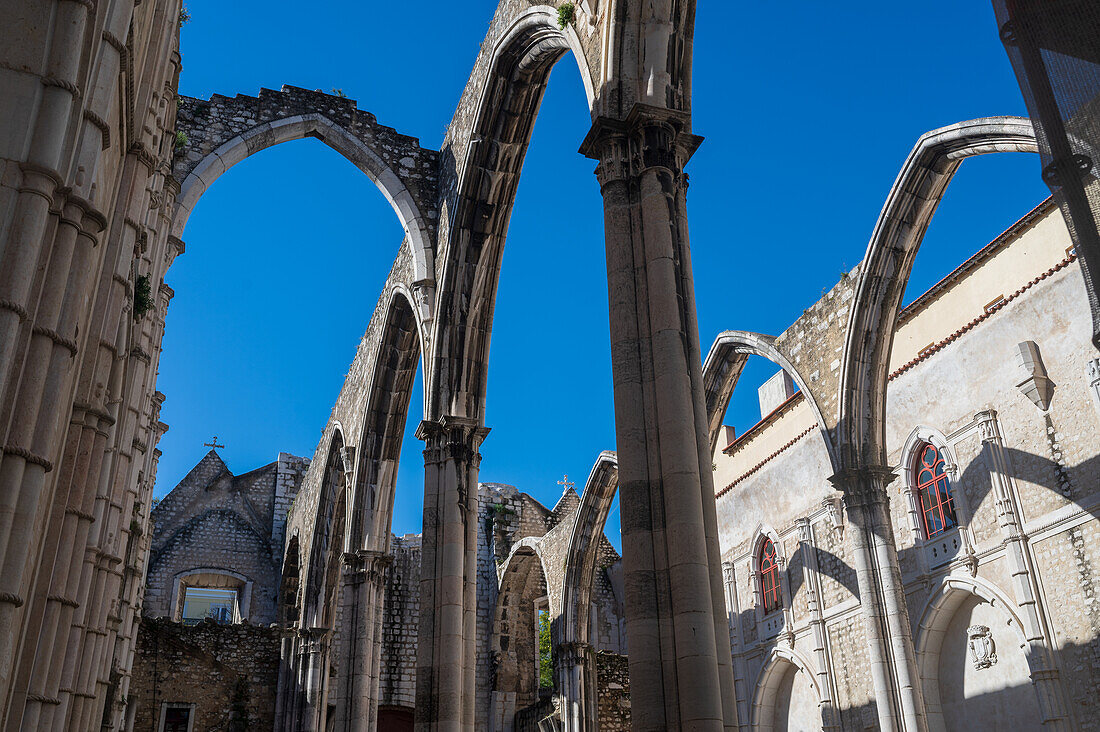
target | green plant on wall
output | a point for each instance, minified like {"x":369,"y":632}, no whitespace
{"x":185,"y":15}
{"x":566,"y":13}
{"x":143,"y":296}
{"x":546,"y":659}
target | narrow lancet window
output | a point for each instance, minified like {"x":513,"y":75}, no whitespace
{"x":936,"y":504}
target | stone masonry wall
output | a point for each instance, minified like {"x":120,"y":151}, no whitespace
{"x":613,"y":691}
{"x":213,"y":520}
{"x":229,"y":672}
{"x":401,"y":616}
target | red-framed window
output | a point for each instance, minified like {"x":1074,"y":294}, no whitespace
{"x":769,"y":577}
{"x":937,"y":507}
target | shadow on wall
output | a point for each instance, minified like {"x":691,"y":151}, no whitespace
{"x":983,"y":702}
{"x":961,"y":707}
{"x":977,"y":486}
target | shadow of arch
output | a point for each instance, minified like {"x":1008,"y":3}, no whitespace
{"x":404,"y":172}
{"x":884,"y":274}
{"x":782,"y":661}
{"x":385,"y":409}
{"x":722,"y":369}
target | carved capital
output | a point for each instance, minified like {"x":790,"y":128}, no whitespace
{"x":313,"y":640}
{"x":650,"y":137}
{"x":727,"y":573}
{"x":988,"y":429}
{"x":864,"y":485}
{"x":834,"y":505}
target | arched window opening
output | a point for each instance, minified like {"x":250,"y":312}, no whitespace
{"x":936,"y":504}
{"x":769,"y":577}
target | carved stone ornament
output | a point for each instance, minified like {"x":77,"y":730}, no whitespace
{"x":983,"y":651}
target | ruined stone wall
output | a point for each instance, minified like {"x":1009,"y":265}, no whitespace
{"x":613,"y":691}
{"x":397,"y":685}
{"x":229,"y":672}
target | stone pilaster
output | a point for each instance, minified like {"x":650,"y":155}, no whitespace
{"x":823,"y":666}
{"x":680,"y":670}
{"x":1040,"y":656}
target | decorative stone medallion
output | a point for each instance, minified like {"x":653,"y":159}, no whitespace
{"x":982,"y":648}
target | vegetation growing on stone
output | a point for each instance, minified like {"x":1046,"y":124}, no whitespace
{"x":566,"y":13}
{"x":143,"y":296}
{"x":181,"y":140}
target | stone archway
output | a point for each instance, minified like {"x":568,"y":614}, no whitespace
{"x":307,"y":667}
{"x":722,"y":369}
{"x":642,"y":138}
{"x":575,"y":669}
{"x":885,"y":271}
{"x":864,"y":373}
{"x":383,"y":410}
{"x":515,"y":643}
{"x":223,"y":131}
{"x":787,"y":695}
{"x":957,"y":692}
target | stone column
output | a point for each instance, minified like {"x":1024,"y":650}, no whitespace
{"x":898,"y":696}
{"x":576,"y":677}
{"x":676,"y":627}
{"x":313,"y":648}
{"x":823,"y":666}
{"x":446,"y":653}
{"x":1040,"y":655}
{"x":364,"y":592}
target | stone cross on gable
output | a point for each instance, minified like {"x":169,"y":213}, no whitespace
{"x":213,"y":444}
{"x":565,"y":483}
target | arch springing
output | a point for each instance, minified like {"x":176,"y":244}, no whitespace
{"x":937,"y":506}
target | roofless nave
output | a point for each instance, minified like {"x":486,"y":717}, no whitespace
{"x":95,"y":190}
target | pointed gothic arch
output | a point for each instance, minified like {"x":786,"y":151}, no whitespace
{"x":222,"y":131}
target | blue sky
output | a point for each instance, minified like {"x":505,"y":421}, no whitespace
{"x":808,"y":112}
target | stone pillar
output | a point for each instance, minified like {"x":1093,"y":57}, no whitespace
{"x":830,"y":720}
{"x":676,"y":628}
{"x":1040,"y":652}
{"x":576,"y":675}
{"x":446,"y":653}
{"x":898,"y":696}
{"x":364,"y":593}
{"x":313,"y":649}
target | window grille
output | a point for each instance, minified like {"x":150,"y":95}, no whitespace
{"x":937,"y":505}
{"x":769,"y":577}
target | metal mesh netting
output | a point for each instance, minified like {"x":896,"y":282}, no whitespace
{"x":1054,"y":47}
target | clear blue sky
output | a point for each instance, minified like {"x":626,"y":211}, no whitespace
{"x":808,"y":111}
